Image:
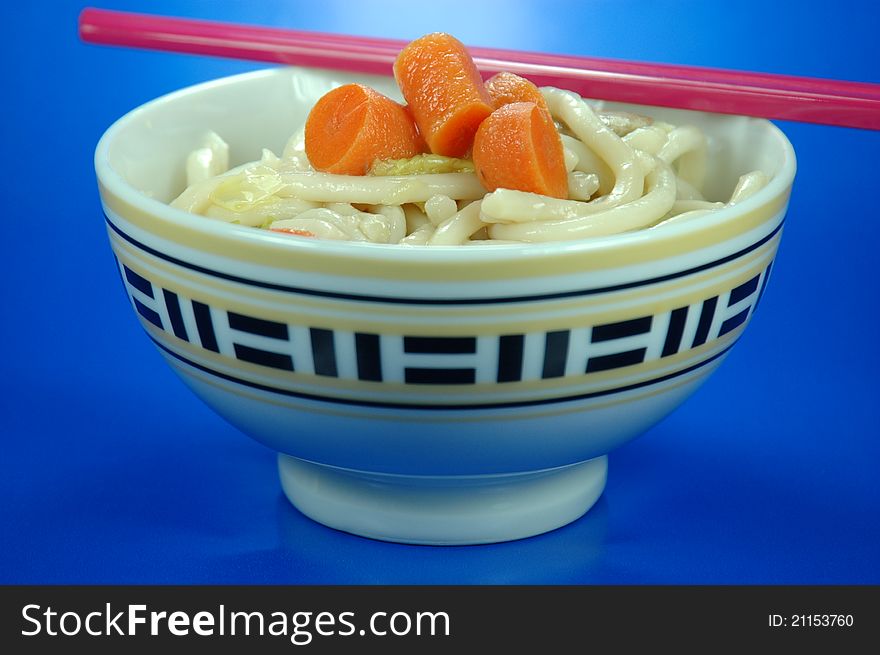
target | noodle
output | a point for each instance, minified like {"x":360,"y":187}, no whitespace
{"x":208,"y":161}
{"x":688,"y":209}
{"x":650,"y":139}
{"x":687,"y":145}
{"x":439,"y":208}
{"x":456,"y":229}
{"x":326,"y":187}
{"x":567,"y":223}
{"x":589,"y":128}
{"x":747,"y":186}
{"x":581,"y":186}
{"x":589,"y":162}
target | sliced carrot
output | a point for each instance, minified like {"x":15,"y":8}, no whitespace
{"x":518,"y":147}
{"x":353,"y":125}
{"x":292,"y":230}
{"x":444,"y":92}
{"x":505,"y":88}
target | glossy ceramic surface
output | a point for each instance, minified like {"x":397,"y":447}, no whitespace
{"x":398,"y":382}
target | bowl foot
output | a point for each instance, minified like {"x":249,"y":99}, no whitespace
{"x":442,"y":510}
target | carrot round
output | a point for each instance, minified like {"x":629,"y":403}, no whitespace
{"x":353,"y":125}
{"x":444,"y":92}
{"x":505,"y":88}
{"x":292,"y":230}
{"x":518,"y":147}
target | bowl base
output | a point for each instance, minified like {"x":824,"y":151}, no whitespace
{"x":442,"y":510}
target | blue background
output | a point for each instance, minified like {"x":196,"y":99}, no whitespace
{"x":111,"y":471}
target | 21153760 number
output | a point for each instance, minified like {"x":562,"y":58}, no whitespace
{"x":810,"y":621}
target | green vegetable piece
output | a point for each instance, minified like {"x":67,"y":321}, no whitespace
{"x":421,"y":164}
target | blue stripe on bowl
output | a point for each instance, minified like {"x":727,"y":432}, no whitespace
{"x":397,"y":300}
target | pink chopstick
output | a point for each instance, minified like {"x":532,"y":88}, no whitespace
{"x":765,"y":95}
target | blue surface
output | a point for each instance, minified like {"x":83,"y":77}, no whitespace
{"x":111,"y":471}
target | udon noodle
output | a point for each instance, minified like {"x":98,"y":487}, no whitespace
{"x":625,"y":172}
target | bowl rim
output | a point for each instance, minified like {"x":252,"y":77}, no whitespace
{"x":113,"y":181}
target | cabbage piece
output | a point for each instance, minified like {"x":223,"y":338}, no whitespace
{"x":420,"y":165}
{"x":242,"y":192}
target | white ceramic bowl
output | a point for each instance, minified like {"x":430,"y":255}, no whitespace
{"x":441,"y":395}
